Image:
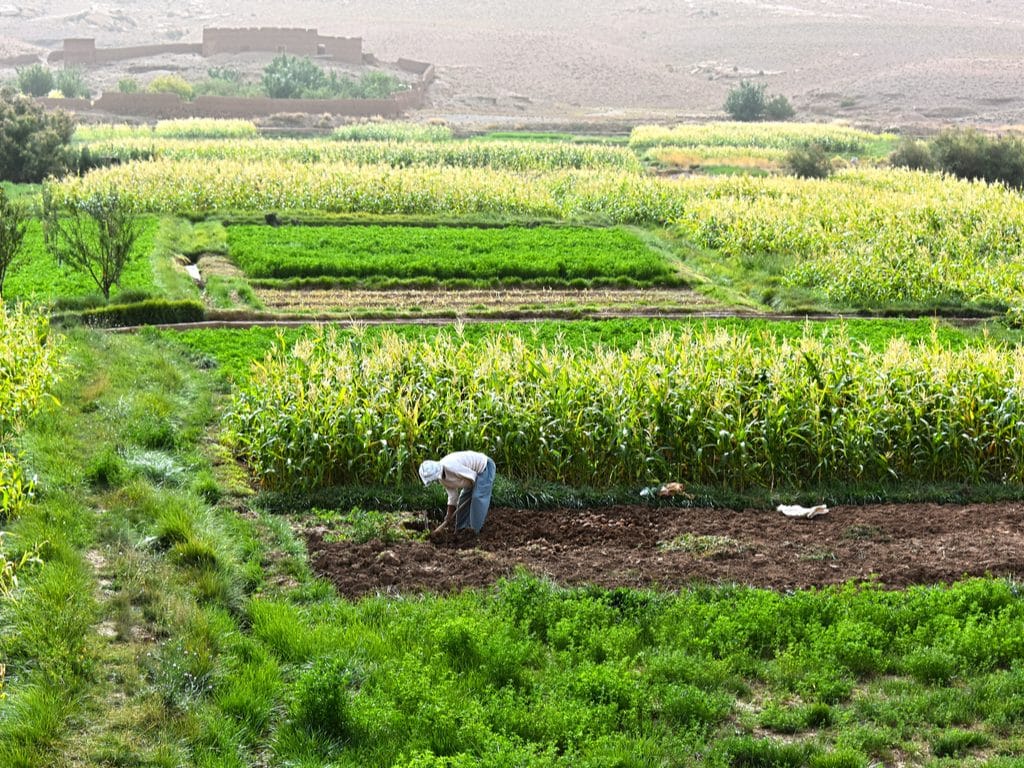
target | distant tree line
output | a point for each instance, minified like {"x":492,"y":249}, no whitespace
{"x":966,"y":153}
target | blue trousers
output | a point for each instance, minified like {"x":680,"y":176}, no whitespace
{"x":475,"y":502}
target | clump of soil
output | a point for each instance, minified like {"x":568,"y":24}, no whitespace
{"x":670,"y":548}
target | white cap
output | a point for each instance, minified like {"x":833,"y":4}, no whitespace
{"x":430,"y":471}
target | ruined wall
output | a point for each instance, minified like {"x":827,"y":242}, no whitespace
{"x":84,"y":54}
{"x":20,"y":61}
{"x":346,"y":49}
{"x":78,"y":50}
{"x":169,"y":105}
{"x":68,"y":105}
{"x":159,"y":105}
{"x":293,"y":41}
{"x":297,"y":42}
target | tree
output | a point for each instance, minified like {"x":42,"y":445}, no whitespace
{"x":912,"y":154}
{"x":12,"y":231}
{"x":809,"y":161}
{"x":71,"y":82}
{"x":746,"y":101}
{"x":778,"y":108}
{"x":289,"y":77}
{"x":33,"y":143}
{"x":35,"y":80}
{"x":95,"y":236}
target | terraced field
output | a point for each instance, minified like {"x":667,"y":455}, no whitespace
{"x":213,"y":540}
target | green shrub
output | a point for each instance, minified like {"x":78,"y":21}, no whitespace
{"x":322,"y":699}
{"x":810,"y":161}
{"x":748,"y":752}
{"x":107,"y":469}
{"x":778,"y":108}
{"x":170,"y":84}
{"x":35,"y":80}
{"x":377,"y":85}
{"x":931,"y":666}
{"x":149,"y":312}
{"x":913,"y":154}
{"x":840,"y":758}
{"x":71,"y":82}
{"x":746,"y":102}
{"x":957,"y":743}
{"x":291,"y":77}
{"x":970,"y":154}
{"x":128,"y":85}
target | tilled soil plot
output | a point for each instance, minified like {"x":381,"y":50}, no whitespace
{"x":668,"y":548}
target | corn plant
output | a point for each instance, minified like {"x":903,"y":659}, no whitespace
{"x":28,"y":367}
{"x":9,"y":570}
{"x":507,"y":155}
{"x":712,"y":408}
{"x":834,"y":138}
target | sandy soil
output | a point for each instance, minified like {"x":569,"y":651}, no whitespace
{"x":894,"y":545}
{"x":874,"y":62}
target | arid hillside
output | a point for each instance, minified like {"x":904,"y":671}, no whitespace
{"x":875,"y":62}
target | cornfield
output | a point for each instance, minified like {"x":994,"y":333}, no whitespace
{"x":713,"y":408}
{"x":834,"y":138}
{"x":392,"y":131}
{"x":508,"y":155}
{"x":186,"y":128}
{"x":863,"y":237}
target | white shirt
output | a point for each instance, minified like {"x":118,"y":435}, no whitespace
{"x":459,"y":470}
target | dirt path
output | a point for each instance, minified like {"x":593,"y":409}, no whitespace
{"x":898,"y":545}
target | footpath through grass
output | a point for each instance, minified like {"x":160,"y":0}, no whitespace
{"x":172,"y":622}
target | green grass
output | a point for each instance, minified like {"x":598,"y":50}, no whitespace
{"x":20,"y":191}
{"x":557,"y":256}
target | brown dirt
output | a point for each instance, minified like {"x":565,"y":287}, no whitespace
{"x":895,"y":545}
{"x":475,"y":302}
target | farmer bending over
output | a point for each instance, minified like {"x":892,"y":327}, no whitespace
{"x":468,"y":476}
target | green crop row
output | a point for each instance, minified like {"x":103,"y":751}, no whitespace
{"x":562,"y":254}
{"x":834,"y":138}
{"x":187,"y":128}
{"x":509,"y":155}
{"x":392,"y":131}
{"x":235,"y":349}
{"x":708,"y":408}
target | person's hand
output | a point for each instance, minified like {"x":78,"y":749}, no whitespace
{"x":445,"y":527}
